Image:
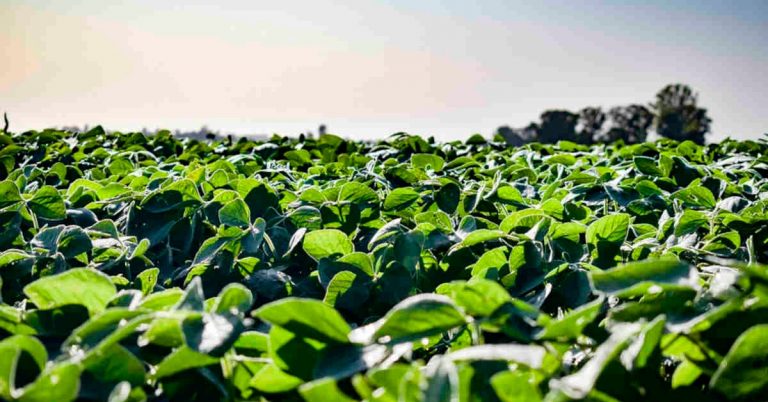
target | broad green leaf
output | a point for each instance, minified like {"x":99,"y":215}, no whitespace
{"x":73,"y":241}
{"x":47,"y":203}
{"x":647,"y":166}
{"x":306,"y":317}
{"x":141,"y":248}
{"x":448,"y":197}
{"x":385,"y":233}
{"x":491,"y":263}
{"x":147,"y":280}
{"x":293,"y":353}
{"x":235,"y":213}
{"x":80,"y":286}
{"x":522,"y":221}
{"x":162,"y":300}
{"x":9,"y":194}
{"x":358,"y":193}
{"x":233,"y":299}
{"x":689,"y":222}
{"x":252,"y":340}
{"x":178,"y":194}
{"x":327,"y":243}
{"x":422,"y":161}
{"x":163,"y":332}
{"x":400,"y":198}
{"x":358,"y":263}
{"x":439,"y":219}
{"x":213,"y":245}
{"x":182,"y":359}
{"x":417,"y":317}
{"x":408,"y":249}
{"x":118,"y":364}
{"x":272,"y":380}
{"x":299,"y":156}
{"x":643,"y":274}
{"x":478,"y":297}
{"x":510,"y":195}
{"x":346,"y":290}
{"x":685,"y":374}
{"x":572,"y":324}
{"x":610,"y":229}
{"x":47,"y":240}
{"x":637,"y":355}
{"x":481,"y":236}
{"x":696,"y":196}
{"x":743,"y":373}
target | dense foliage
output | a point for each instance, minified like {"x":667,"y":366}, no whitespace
{"x":145,"y":267}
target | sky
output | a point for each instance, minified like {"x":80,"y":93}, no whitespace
{"x":368,"y":68}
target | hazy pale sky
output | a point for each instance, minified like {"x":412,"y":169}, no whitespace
{"x":368,"y":68}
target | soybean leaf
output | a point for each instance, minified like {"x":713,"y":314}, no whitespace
{"x":417,"y":317}
{"x":423,"y":161}
{"x":743,"y":373}
{"x":306,"y":317}
{"x":696,"y":196}
{"x":80,"y":286}
{"x":9,"y":194}
{"x":572,"y":324}
{"x":47,"y":203}
{"x":327,"y":243}
{"x":642,"y":274}
{"x":235,"y":213}
{"x":610,"y":229}
{"x":400,"y":198}
{"x":182,"y":359}
{"x":178,"y":194}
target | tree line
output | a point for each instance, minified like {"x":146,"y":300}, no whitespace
{"x":674,"y":114}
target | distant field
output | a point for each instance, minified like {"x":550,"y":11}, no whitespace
{"x":140,"y":267}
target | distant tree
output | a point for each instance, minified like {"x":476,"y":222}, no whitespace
{"x":590,"y":124}
{"x":628,"y":123}
{"x":678,"y":116}
{"x":516,"y":137}
{"x":557,"y":125}
{"x":531,"y":132}
{"x":510,"y":136}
